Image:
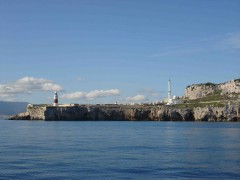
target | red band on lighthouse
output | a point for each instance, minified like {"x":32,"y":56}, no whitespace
{"x":55,"y":99}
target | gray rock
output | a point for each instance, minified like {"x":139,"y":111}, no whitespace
{"x":197,"y":91}
{"x":131,"y":113}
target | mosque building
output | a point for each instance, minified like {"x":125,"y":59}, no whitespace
{"x":172,"y":100}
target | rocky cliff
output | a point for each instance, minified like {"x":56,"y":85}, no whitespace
{"x":132,"y":113}
{"x":202,"y":102}
{"x":202,"y":90}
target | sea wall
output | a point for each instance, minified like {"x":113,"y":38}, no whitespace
{"x":202,"y":90}
{"x":131,"y":113}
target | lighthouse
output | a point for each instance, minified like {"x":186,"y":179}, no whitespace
{"x":55,"y":99}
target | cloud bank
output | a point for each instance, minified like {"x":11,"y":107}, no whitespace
{"x":27,"y":85}
{"x":149,"y":92}
{"x":91,"y":95}
{"x":137,"y":98}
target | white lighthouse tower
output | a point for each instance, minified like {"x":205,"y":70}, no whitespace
{"x":55,"y":99}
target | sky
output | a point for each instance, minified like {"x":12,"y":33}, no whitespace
{"x":103,"y":51}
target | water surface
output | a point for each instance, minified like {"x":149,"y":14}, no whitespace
{"x":119,"y":150}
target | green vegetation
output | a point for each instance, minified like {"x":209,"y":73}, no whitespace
{"x":39,"y":105}
{"x":214,"y":100}
{"x":195,"y":105}
{"x":44,"y":105}
{"x":211,"y":97}
{"x":208,"y":84}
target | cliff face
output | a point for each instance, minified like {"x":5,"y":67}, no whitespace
{"x":227,"y":113}
{"x":121,"y":112}
{"x":204,"y":102}
{"x":202,"y":90}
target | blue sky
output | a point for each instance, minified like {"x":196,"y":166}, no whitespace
{"x":102,"y":51}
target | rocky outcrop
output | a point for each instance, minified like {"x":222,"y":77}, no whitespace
{"x":197,"y":91}
{"x":131,"y":113}
{"x":21,"y":116}
{"x":227,"y":113}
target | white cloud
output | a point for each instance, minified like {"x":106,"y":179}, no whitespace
{"x":27,"y":85}
{"x":75,"y":95}
{"x":92,"y":94}
{"x":79,"y":78}
{"x":137,"y":98}
{"x":51,"y":87}
{"x":102,"y":93}
{"x":149,"y":91}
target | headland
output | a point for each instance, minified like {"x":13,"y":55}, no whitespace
{"x":201,"y":102}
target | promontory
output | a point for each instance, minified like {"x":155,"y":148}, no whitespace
{"x":201,"y":102}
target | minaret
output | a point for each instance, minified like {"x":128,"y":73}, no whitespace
{"x":169,"y":89}
{"x":55,"y":99}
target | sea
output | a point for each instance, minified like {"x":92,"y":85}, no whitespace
{"x":119,"y":150}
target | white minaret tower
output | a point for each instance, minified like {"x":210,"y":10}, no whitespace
{"x":55,"y":99}
{"x":169,"y":89}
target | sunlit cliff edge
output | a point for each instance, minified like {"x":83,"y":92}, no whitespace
{"x":201,"y":102}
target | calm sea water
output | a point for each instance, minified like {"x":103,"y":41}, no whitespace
{"x":119,"y":150}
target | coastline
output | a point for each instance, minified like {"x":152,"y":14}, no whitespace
{"x":228,"y":113}
{"x":201,"y":102}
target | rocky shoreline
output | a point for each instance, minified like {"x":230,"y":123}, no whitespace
{"x":202,"y":102}
{"x":130,"y":113}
